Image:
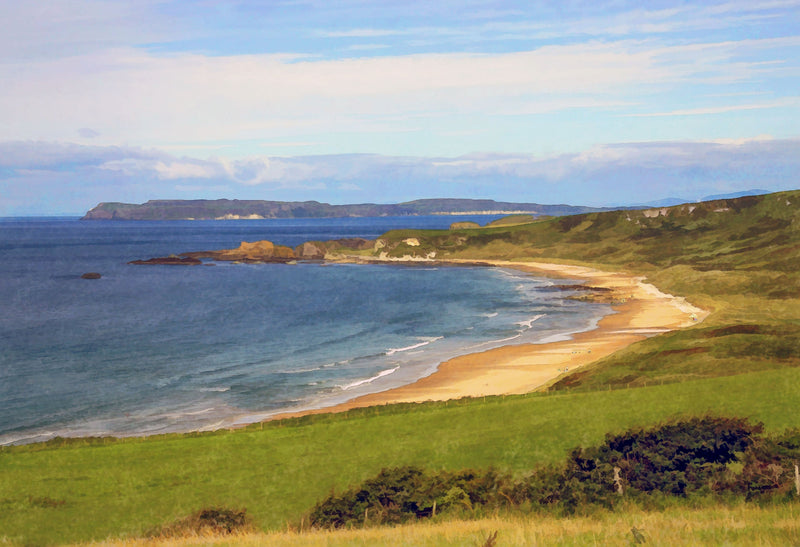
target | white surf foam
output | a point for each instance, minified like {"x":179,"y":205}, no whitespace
{"x":425,"y":342}
{"x":370,"y":380}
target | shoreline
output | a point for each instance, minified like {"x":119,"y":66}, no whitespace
{"x":640,"y":311}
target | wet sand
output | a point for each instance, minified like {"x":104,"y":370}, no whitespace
{"x":641,"y":310}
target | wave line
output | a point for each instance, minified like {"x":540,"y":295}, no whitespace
{"x":370,"y":380}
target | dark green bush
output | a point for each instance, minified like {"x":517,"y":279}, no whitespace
{"x":769,"y":466}
{"x":675,"y":458}
{"x":672,"y":460}
{"x":400,"y":494}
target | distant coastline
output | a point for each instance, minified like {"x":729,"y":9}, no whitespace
{"x":226,"y":209}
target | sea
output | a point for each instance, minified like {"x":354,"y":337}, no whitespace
{"x":154,"y":349}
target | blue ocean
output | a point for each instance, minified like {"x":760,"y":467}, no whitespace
{"x":154,"y":349}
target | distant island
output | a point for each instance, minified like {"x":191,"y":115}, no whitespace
{"x":234,"y":209}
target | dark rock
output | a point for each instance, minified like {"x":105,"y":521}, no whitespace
{"x":581,"y":288}
{"x":169,"y":261}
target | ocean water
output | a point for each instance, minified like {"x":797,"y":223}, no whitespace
{"x":153,"y":349}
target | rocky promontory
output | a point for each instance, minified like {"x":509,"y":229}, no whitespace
{"x":264,"y":251}
{"x":248,"y":252}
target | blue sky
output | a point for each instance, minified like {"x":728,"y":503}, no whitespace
{"x":594,"y":103}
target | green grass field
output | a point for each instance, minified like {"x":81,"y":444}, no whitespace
{"x":94,"y":489}
{"x":738,"y":258}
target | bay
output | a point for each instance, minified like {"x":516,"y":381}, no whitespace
{"x":153,"y":349}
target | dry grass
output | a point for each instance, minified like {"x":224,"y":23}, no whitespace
{"x":740,"y":524}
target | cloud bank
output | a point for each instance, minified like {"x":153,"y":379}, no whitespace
{"x":611,"y":101}
{"x":612,"y":174}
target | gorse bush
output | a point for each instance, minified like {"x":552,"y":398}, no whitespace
{"x":770,"y":467}
{"x":680,"y":458}
{"x":675,"y":458}
{"x":404,"y":493}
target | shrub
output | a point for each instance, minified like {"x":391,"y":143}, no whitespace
{"x":675,"y":458}
{"x":403,"y":493}
{"x":672,"y":460}
{"x":769,"y":466}
{"x":211,"y":520}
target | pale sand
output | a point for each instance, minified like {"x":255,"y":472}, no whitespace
{"x":641,"y":310}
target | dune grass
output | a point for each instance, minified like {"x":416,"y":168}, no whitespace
{"x":94,"y":489}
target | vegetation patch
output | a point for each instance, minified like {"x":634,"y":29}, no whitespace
{"x":208,"y":521}
{"x":46,"y":502}
{"x":679,"y":458}
{"x":690,"y":354}
{"x":511,"y":220}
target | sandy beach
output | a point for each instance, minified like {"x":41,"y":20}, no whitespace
{"x":641,"y":310}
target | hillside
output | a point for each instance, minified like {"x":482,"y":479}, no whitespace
{"x":739,"y":257}
{"x":223,"y":209}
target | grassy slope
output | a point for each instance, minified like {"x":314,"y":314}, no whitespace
{"x":83,"y":491}
{"x":738,"y":257}
{"x":741,"y":262}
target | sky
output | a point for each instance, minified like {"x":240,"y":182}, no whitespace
{"x":596,"y":103}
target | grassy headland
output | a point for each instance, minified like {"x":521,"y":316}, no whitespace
{"x":739,"y":258}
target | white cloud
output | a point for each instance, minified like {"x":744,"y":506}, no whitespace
{"x":718,"y":109}
{"x":128,"y":95}
{"x":87,"y":133}
{"x":65,"y":28}
{"x":183,"y":170}
{"x":367,"y":47}
{"x":744,"y":141}
{"x":132,"y":96}
{"x":607,"y":22}
{"x":362,"y":33}
{"x":602,"y":175}
{"x":288,"y":144}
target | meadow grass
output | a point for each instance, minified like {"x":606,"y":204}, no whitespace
{"x":95,"y":489}
{"x":713,"y":525}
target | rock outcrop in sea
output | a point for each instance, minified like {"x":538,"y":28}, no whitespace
{"x":250,"y":252}
{"x":265,"y":251}
{"x":168,"y":261}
